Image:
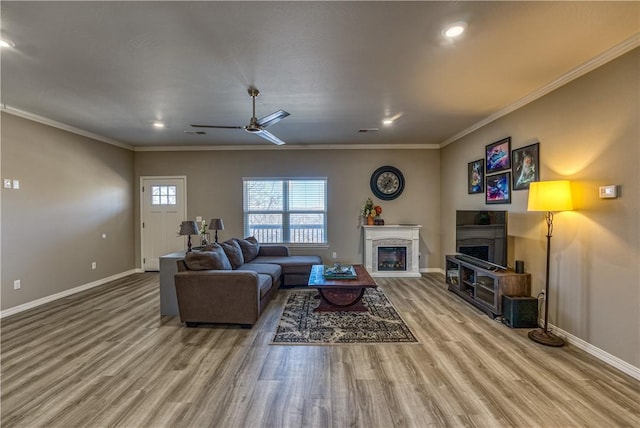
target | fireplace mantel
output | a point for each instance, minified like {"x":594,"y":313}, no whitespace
{"x":396,"y":235}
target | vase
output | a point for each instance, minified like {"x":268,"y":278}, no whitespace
{"x":369,"y":221}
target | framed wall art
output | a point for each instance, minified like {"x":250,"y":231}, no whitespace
{"x":475,"y":176}
{"x":526,"y":166}
{"x":498,"y":155}
{"x":498,"y":188}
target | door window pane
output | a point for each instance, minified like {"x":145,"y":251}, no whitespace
{"x":163,"y":195}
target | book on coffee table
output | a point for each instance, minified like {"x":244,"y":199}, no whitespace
{"x":340,"y":272}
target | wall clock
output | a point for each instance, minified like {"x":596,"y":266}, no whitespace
{"x":387,"y":183}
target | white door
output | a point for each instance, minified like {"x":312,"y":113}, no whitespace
{"x":164,"y":207}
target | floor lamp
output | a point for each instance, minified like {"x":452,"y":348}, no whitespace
{"x":189,"y":228}
{"x":548,"y":196}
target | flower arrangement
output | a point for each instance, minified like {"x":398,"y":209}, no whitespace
{"x":370,"y":210}
{"x":203,"y":231}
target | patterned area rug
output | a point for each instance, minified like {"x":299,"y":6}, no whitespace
{"x":300,"y":325}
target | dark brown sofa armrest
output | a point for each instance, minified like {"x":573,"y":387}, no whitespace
{"x":273,"y":251}
{"x":216,"y":296}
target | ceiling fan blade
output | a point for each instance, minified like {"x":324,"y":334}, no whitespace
{"x":216,"y":126}
{"x":269,"y":137}
{"x":272,"y":118}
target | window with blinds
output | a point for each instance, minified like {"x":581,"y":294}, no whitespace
{"x":287,"y":211}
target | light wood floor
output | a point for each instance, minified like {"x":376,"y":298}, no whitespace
{"x":106,"y":358}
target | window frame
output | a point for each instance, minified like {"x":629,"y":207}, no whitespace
{"x":286,"y":212}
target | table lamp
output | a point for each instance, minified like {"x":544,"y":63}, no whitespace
{"x":548,"y":196}
{"x":189,"y":228}
{"x":216,"y":224}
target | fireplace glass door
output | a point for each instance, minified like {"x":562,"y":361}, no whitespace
{"x":392,"y":258}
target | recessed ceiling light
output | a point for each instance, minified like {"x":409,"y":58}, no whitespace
{"x":158,"y":124}
{"x":388,"y":121}
{"x":455,"y":30}
{"x":7,"y":43}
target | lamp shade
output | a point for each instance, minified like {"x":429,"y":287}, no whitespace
{"x":189,"y":228}
{"x":216,"y":224}
{"x":550,"y":196}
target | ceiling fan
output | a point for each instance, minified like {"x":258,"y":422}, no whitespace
{"x":257,"y":126}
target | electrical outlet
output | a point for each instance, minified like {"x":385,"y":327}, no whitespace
{"x":16,"y":284}
{"x":104,"y":236}
{"x":94,"y":265}
{"x":335,"y":255}
{"x":199,"y":219}
{"x":16,"y":184}
{"x":7,"y":183}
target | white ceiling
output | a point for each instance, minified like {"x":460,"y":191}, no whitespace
{"x":112,"y":68}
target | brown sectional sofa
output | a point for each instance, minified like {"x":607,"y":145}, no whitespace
{"x":210,"y":290}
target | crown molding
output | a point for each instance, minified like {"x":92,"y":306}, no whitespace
{"x":40,"y":119}
{"x":290,"y":147}
{"x":605,"y":57}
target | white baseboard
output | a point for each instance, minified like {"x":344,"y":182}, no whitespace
{"x":35,"y":303}
{"x":432,"y":270}
{"x":603,"y":356}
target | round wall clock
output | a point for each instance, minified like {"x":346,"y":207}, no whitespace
{"x":387,"y":183}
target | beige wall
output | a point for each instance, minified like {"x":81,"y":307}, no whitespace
{"x":73,"y":189}
{"x":214,"y":181}
{"x":589,"y":132}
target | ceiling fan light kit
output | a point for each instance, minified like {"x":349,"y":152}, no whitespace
{"x":257,"y":126}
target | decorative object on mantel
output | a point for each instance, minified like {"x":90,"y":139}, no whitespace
{"x":548,"y":196}
{"x":188,"y":228}
{"x":299,"y":324}
{"x":216,"y":224}
{"x":370,"y":212}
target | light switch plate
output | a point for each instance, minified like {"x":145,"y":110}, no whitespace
{"x":608,"y":192}
{"x":7,"y":183}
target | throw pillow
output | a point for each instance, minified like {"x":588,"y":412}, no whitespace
{"x":207,"y":260}
{"x":233,"y":252}
{"x":250,"y":248}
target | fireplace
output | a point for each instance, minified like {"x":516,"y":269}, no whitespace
{"x":392,"y":258}
{"x":392,"y":250}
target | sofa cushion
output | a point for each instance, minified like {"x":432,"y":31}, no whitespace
{"x":273,"y":270}
{"x":250,"y":248}
{"x":264,"y":284}
{"x":207,"y":260}
{"x":233,"y":252}
{"x":291,"y":264}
